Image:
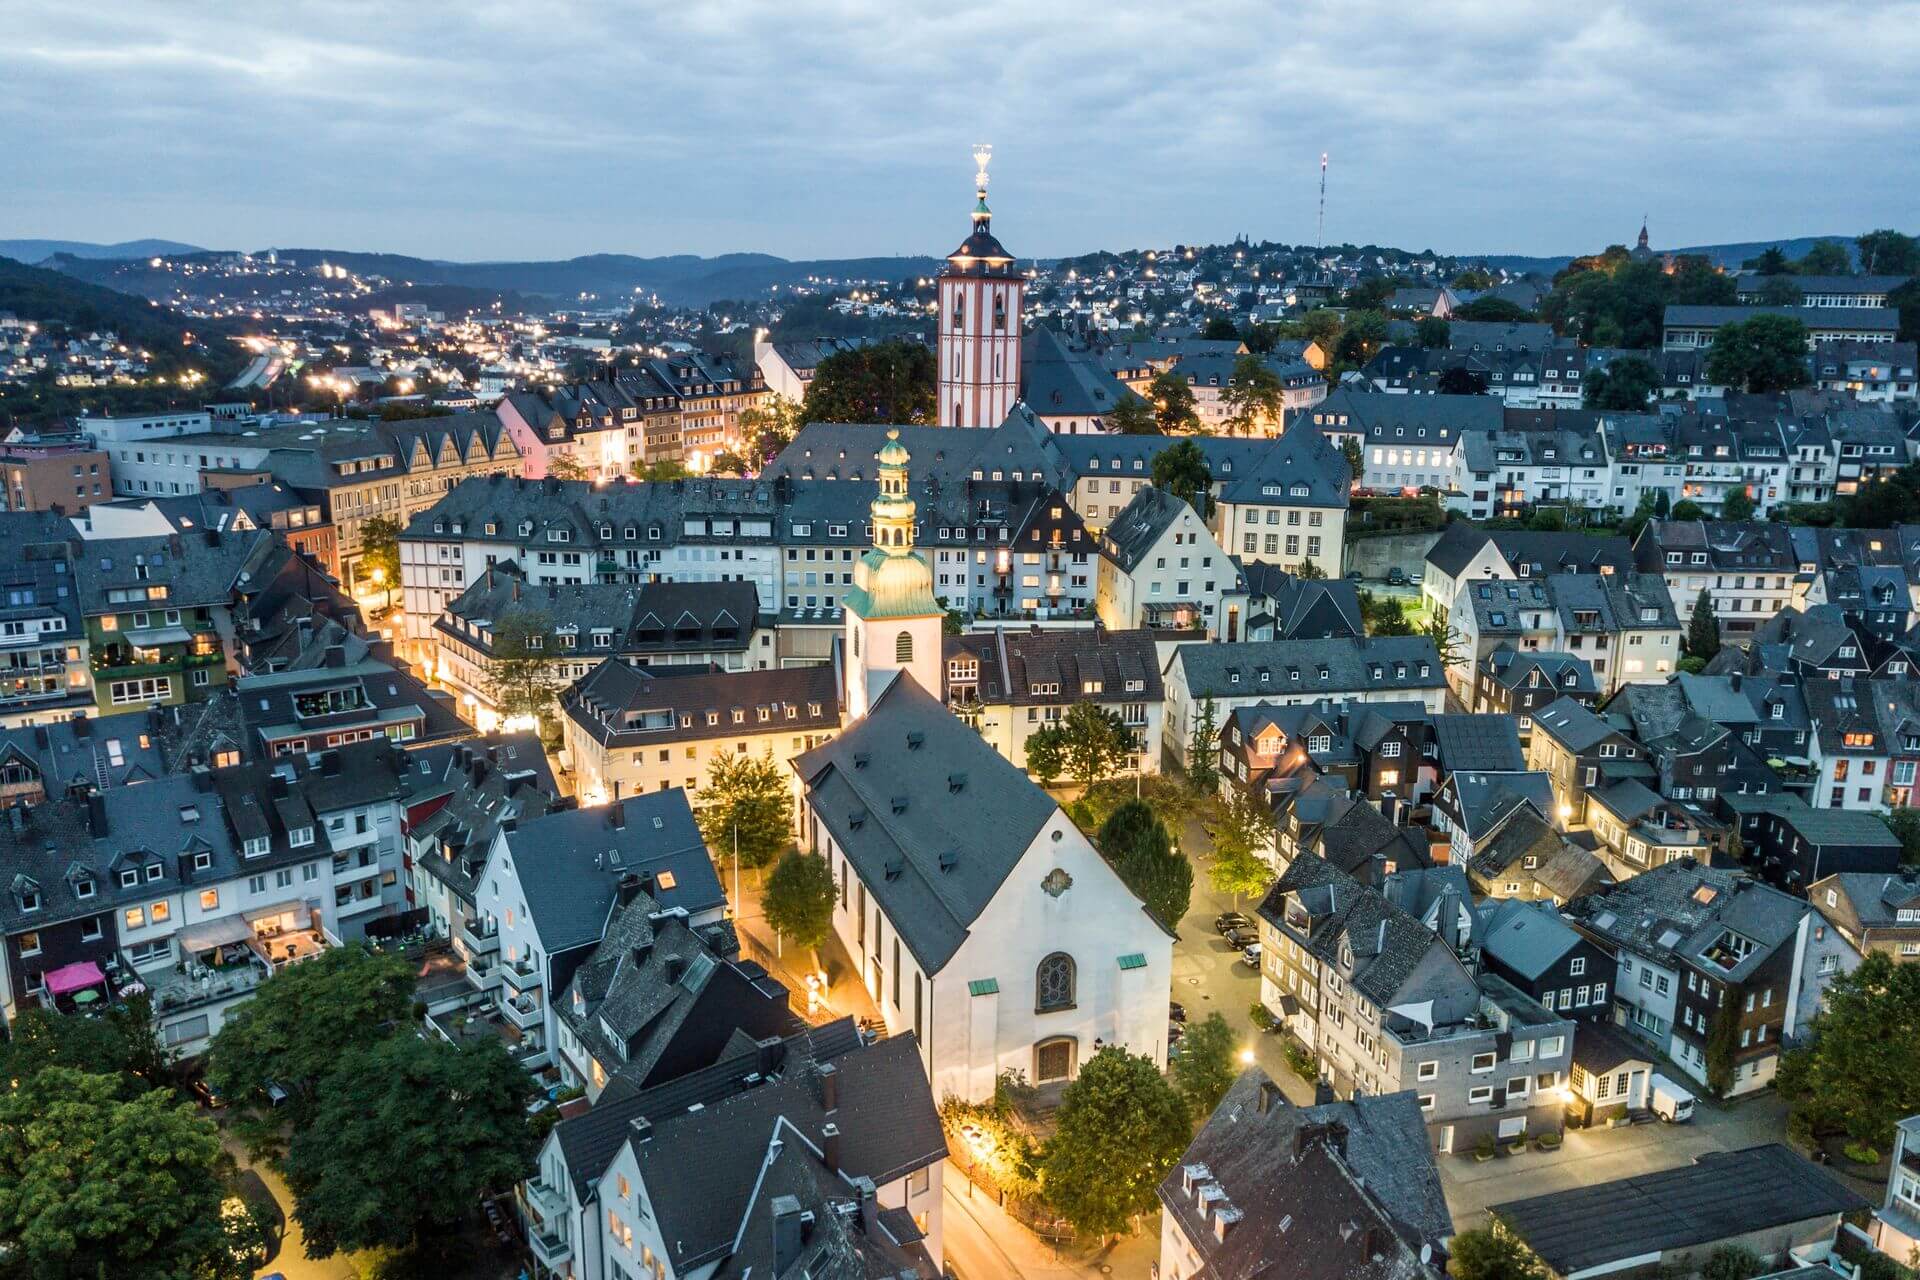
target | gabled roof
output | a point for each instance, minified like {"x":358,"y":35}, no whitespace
{"x":1132,"y":535}
{"x":1035,"y":667}
{"x":1267,"y":668}
{"x":1478,"y":742}
{"x":1526,"y":937}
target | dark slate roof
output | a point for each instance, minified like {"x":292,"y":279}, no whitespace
{"x":1680,"y":910}
{"x":645,"y":619}
{"x":1484,"y":800}
{"x":1622,"y":602}
{"x":626,"y":706}
{"x":198,"y":570}
{"x":1063,"y":383}
{"x":1386,"y":418}
{"x":1526,"y":937}
{"x":380,"y":695}
{"x":1515,"y":670}
{"x":1460,"y":541}
{"x":97,"y":752}
{"x":1251,"y":669}
{"x":1721,"y":1196}
{"x":479,"y":785}
{"x":1872,"y":319}
{"x":1874,"y":896}
{"x":1387,"y":942}
{"x":1013,"y":661}
{"x":1300,"y":469}
{"x":1478,"y":742}
{"x":570,"y":863}
{"x":1572,"y":724}
{"x":1132,"y":534}
{"x":932,"y":817}
{"x":1360,"y":836}
{"x":1598,"y":1049}
{"x":1312,"y":1206}
{"x":1298,"y":603}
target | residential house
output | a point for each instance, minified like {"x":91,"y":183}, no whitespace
{"x":1521,"y":684}
{"x":1872,"y":911}
{"x":1529,"y":945}
{"x":1529,"y":859}
{"x":1582,"y":753}
{"x":1746,"y":569}
{"x":1010,"y":683}
{"x":1794,"y":845}
{"x":1160,"y":567}
{"x":1895,"y":1229}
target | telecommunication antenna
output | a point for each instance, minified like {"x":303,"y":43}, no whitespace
{"x":1321,"y":232}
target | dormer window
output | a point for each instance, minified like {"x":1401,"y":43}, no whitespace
{"x":29,"y":899}
{"x":129,"y":877}
{"x":256,"y":846}
{"x":300,"y":837}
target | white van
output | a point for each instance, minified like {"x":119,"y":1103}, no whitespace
{"x":1671,"y":1102}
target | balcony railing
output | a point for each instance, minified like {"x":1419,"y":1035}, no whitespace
{"x":520,"y":975}
{"x":550,"y":1249}
{"x":479,"y":937}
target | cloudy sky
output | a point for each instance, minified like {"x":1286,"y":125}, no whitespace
{"x":813,"y":128}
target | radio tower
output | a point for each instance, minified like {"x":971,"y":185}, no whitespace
{"x":1321,"y":233}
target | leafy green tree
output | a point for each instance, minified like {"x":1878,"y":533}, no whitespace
{"x":1461,"y":381}
{"x":1627,"y":384}
{"x":1732,"y":1262}
{"x":1207,"y":1065}
{"x":1905,"y":823}
{"x":1306,"y":570}
{"x":1242,"y":831}
{"x":380,"y":552}
{"x":746,"y":800}
{"x":1181,"y":470}
{"x":1858,"y":1070}
{"x":1825,"y":258}
{"x":1203,"y":746}
{"x":1766,"y":353}
{"x":1254,"y":396}
{"x":1433,"y":333}
{"x":768,"y":428}
{"x":1687,"y":509}
{"x":96,"y":1183}
{"x":1383,"y":616}
{"x":1548,"y":520}
{"x":1703,"y":629}
{"x":1771,"y":262}
{"x":564,"y":466}
{"x":728,"y":463}
{"x":1174,"y":405}
{"x":1888,"y":253}
{"x":1447,"y":642}
{"x":1473,"y":278}
{"x":1488,"y":1253}
{"x":1696,"y":282}
{"x":1119,"y":1129}
{"x":799,"y":899}
{"x":1133,"y":416}
{"x":1494,"y":310}
{"x":297,"y":1024}
{"x":1356,"y":456}
{"x":661,"y":472}
{"x":407,"y":1136}
{"x":1136,"y":843}
{"x":1737,"y":505}
{"x":522,"y":672}
{"x":1779,"y":291}
{"x":1360,"y":341}
{"x":1220,"y":329}
{"x":120,"y":1043}
{"x":891,"y":382}
{"x":1088,"y":743}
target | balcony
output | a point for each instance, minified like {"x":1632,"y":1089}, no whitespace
{"x":546,"y":1202}
{"x":479,"y":937}
{"x":520,"y":975}
{"x":552,"y":1251}
{"x":524,"y":1012}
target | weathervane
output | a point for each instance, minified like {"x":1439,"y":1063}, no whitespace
{"x":982,"y":152}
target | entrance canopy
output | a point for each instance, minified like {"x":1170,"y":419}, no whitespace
{"x":77,"y":976}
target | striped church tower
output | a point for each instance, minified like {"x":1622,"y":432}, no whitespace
{"x":980,"y":306}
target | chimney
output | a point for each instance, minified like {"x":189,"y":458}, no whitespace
{"x":628,"y":889}
{"x":787,"y":1233}
{"x":830,"y":1146}
{"x":97,"y":815}
{"x":829,"y":1088}
{"x":869,"y":1210}
{"x":771,"y":1052}
{"x":336,"y":656}
{"x":277,"y":785}
{"x":642,"y":1129}
{"x":1733,"y":681}
{"x":202,"y":778}
{"x":82,"y":727}
{"x":674,"y":967}
{"x":617,"y":815}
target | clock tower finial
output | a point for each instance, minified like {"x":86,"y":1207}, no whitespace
{"x":982,"y":216}
{"x":981,"y":298}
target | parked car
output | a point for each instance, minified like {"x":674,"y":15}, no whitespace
{"x":1227,"y":921}
{"x":1670,"y":1101}
{"x":1250,"y":955}
{"x":1240,"y":939}
{"x":1176,"y":1011}
{"x":1353,"y":575}
{"x":1397,"y":577}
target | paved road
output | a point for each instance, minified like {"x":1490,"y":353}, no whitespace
{"x":291,"y":1261}
{"x":981,"y":1242}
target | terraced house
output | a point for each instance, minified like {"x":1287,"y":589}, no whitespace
{"x":44,"y":672}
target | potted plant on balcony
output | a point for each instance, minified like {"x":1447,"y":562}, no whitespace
{"x":1483,"y":1150}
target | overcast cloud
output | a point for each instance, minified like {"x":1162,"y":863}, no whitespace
{"x":817,"y":128}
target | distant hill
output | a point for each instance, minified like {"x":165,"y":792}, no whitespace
{"x":679,"y":280}
{"x":1725,"y":255}
{"x":51,"y":298}
{"x":36,"y":251}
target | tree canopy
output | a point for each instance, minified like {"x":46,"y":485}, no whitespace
{"x":889,"y":381}
{"x":1888,"y":253}
{"x":799,"y":899}
{"x":1133,"y":416}
{"x":522,"y":675}
{"x":1858,"y":1071}
{"x":1087,"y":744}
{"x":1626,"y":384}
{"x":1181,"y":470}
{"x":1207,"y":1064}
{"x":1703,"y":629}
{"x":1613,"y":300}
{"x":1173,"y":401}
{"x":746,"y":797}
{"x":1203,"y":747}
{"x":1487,"y":1253}
{"x":380,"y":552}
{"x":1766,"y":353}
{"x":1119,"y":1129}
{"x":1254,"y":396}
{"x":1242,"y":831}
{"x":1136,"y":843}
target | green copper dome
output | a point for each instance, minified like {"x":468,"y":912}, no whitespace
{"x":893,"y":453}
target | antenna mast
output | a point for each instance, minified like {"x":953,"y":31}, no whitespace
{"x":1321,"y":232}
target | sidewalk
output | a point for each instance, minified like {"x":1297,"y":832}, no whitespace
{"x":982,"y":1242}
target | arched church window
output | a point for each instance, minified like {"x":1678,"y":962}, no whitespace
{"x":1054,"y":983}
{"x":903,"y":648}
{"x":856,"y":643}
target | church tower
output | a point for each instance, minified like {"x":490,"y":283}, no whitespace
{"x":893,"y":623}
{"x":981,"y":295}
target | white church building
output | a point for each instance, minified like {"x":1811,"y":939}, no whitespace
{"x":979,"y":916}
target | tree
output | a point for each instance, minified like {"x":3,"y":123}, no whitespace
{"x":1206,"y":1067}
{"x":1738,"y":505}
{"x":1136,"y":842}
{"x":1732,"y":1262}
{"x":295,"y":1027}
{"x":1703,"y":629}
{"x":380,"y":552}
{"x":121,"y":1043}
{"x":1356,"y":457}
{"x":1494,"y":310}
{"x":1771,"y":262}
{"x":1627,"y":384}
{"x":1133,"y":416}
{"x":1365,"y":333}
{"x":1825,"y":258}
{"x":662,"y":472}
{"x":1254,"y":396}
{"x":728,"y":463}
{"x":768,"y":428}
{"x":1447,"y":642}
{"x":1119,"y":1129}
{"x":521,"y":676}
{"x":1088,"y":743}
{"x":564,"y":466}
{"x":96,"y":1183}
{"x":1181,"y":470}
{"x":746,"y":800}
{"x":1766,"y":353}
{"x":1858,"y":1070}
{"x":408,"y":1136}
{"x":1905,"y":823}
{"x":1488,"y":1253}
{"x":1459,"y":380}
{"x":1203,"y":747}
{"x":889,"y":382}
{"x":1306,"y":570}
{"x":1888,"y":253}
{"x":1242,"y":831}
{"x":1172,"y":396}
{"x":1779,"y":291}
{"x":799,"y":899}
{"x":1433,"y":333}
{"x":1383,"y":616}
{"x":1220,"y":329}
{"x":1474,"y":279}
{"x":1687,"y":509}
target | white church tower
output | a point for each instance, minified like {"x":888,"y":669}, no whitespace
{"x":981,"y":295}
{"x":893,"y":622}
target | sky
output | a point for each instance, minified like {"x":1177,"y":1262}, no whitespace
{"x":837,"y":128}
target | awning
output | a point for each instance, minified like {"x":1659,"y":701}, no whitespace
{"x":302,"y":915}
{"x":77,"y":976}
{"x":209,"y":934}
{"x":154,"y":637}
